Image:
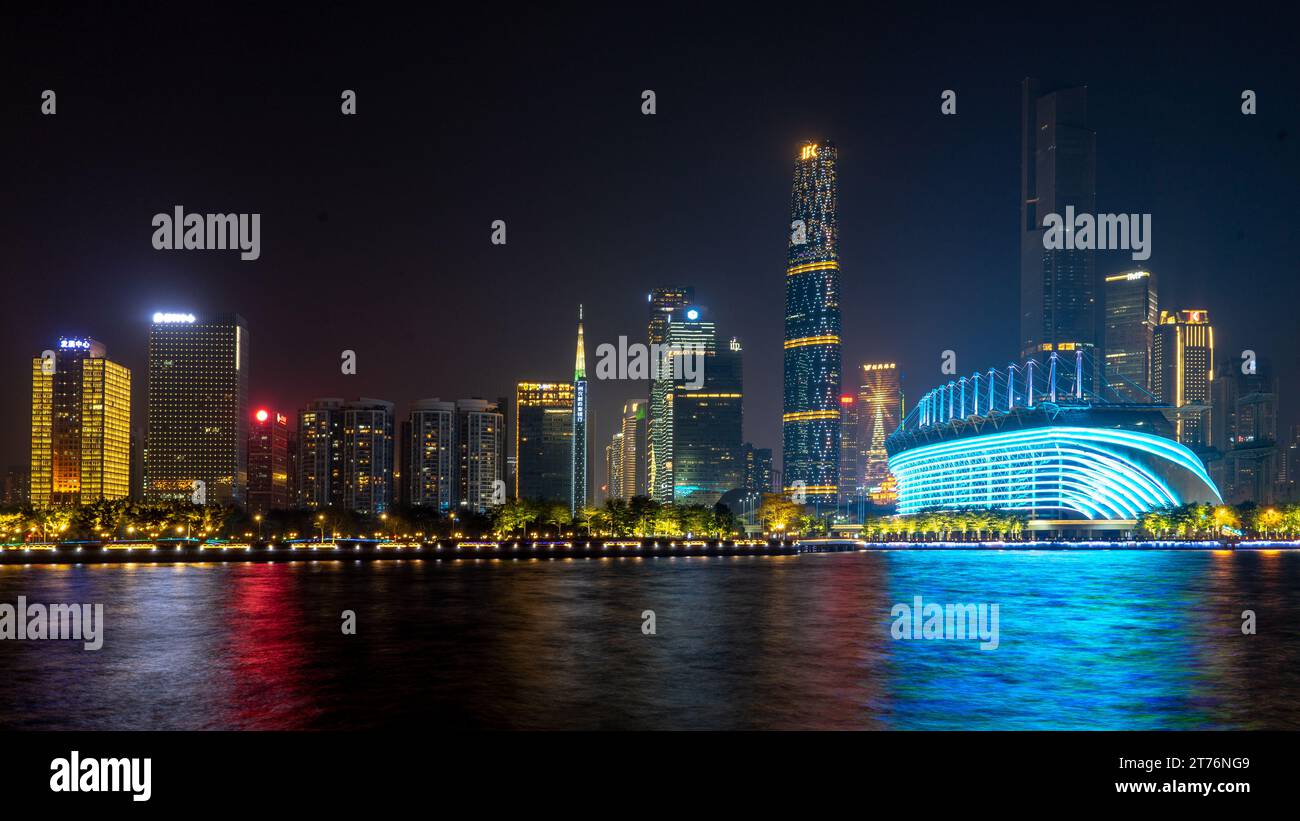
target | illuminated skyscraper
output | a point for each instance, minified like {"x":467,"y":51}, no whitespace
{"x":627,"y":459}
{"x":268,"y":461}
{"x":198,"y":408}
{"x":632,"y":461}
{"x":851,"y":453}
{"x":614,"y":467}
{"x":578,"y":495}
{"x":707,"y":420}
{"x":664,"y":303}
{"x":81,"y":425}
{"x":1057,"y":169}
{"x":758,"y":468}
{"x":811,"y":420}
{"x":880,"y":403}
{"x":1182,"y":369}
{"x":543,"y":446}
{"x":1131,"y":315}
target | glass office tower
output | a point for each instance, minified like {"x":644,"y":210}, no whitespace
{"x":198,"y":408}
{"x":811,"y":421}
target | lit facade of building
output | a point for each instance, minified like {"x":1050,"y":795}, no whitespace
{"x":430,"y":455}
{"x":759,"y":477}
{"x":367,"y":438}
{"x":543,"y":446}
{"x":880,"y":399}
{"x":578,"y":497}
{"x":1182,"y":369}
{"x":1249,"y":465}
{"x":480,"y":450}
{"x":81,"y":425}
{"x":1021,"y":439}
{"x":198,"y":409}
{"x":1131,"y":316}
{"x":628,"y":457}
{"x":1053,"y":472}
{"x":320,"y":454}
{"x":614,"y":466}
{"x":851,"y":451}
{"x":811,"y":418}
{"x":1058,"y":169}
{"x":268,"y":461}
{"x":707,"y":420}
{"x":664,"y":304}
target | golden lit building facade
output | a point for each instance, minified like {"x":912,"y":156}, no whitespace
{"x":81,"y":425}
{"x":1182,"y":373}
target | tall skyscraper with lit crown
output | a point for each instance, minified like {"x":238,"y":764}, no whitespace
{"x":811,"y":422}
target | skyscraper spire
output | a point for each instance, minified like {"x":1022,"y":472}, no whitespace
{"x":580,"y":362}
{"x":578,"y":495}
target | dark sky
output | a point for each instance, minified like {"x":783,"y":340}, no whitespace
{"x":375,"y":228}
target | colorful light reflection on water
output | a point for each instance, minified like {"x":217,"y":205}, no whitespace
{"x":1087,"y":640}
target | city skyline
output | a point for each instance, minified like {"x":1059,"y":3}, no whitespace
{"x":896,"y":268}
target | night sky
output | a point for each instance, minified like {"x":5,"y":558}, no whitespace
{"x":376,"y":228}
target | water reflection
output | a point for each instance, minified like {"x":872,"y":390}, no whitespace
{"x":1105,"y":640}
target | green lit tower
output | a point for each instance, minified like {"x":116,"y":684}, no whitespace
{"x":578,"y":497}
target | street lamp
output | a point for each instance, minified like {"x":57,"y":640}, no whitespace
{"x":258,"y":519}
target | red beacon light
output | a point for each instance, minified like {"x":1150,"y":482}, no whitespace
{"x":262,"y":415}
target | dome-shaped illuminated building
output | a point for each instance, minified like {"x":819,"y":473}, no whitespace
{"x":1030,"y":439}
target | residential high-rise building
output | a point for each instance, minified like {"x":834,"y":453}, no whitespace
{"x":81,"y":425}
{"x":430,"y":455}
{"x":630,"y":459}
{"x":1058,"y":170}
{"x":664,"y":304}
{"x":1130,"y":318}
{"x":320,"y":454}
{"x":811,"y":421}
{"x":543,"y":446}
{"x":1182,"y":368}
{"x":578,"y":498}
{"x":480,"y":449}
{"x":268,"y":461}
{"x":758,"y":468}
{"x":198,"y":408}
{"x":345,"y":455}
{"x":367,"y":438}
{"x":880,"y":403}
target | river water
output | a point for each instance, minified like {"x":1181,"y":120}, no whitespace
{"x":1086,"y":640}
